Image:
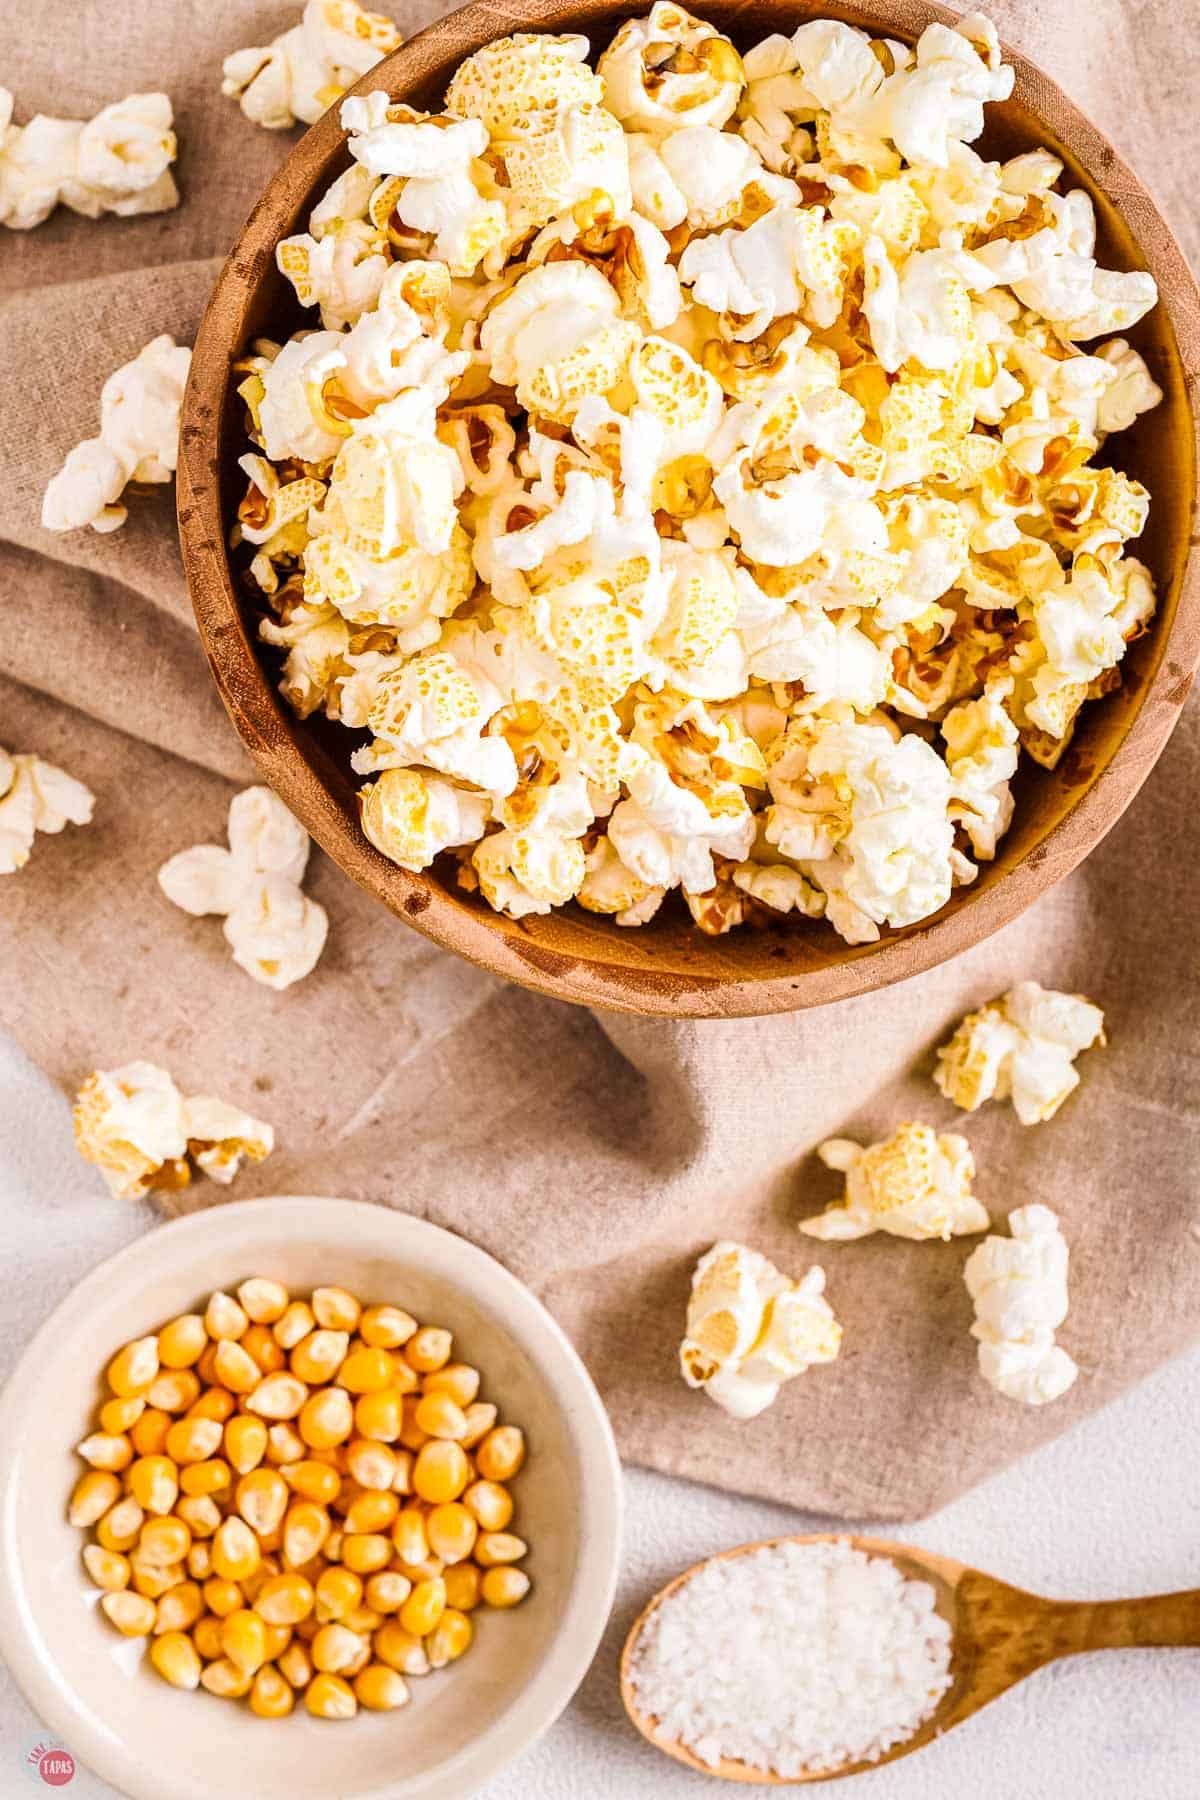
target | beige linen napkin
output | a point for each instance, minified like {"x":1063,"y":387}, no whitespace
{"x":595,"y":1154}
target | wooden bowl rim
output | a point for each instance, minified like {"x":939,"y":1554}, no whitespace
{"x":504,"y":946}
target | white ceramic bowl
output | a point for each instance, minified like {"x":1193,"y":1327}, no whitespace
{"x":463,"y":1723}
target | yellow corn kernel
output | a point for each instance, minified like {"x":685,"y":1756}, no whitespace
{"x":132,"y":1369}
{"x":132,"y":1614}
{"x":319,"y":1356}
{"x":193,"y":1440}
{"x":429,"y":1349}
{"x":284,"y":1599}
{"x":424,"y":1607}
{"x":451,"y":1531}
{"x":93,"y":1495}
{"x":371,"y":1511}
{"x":153,"y":1580}
{"x":200,"y":1513}
{"x":331,"y":1549}
{"x":245,"y":1442}
{"x":305,"y":1531}
{"x":106,"y":1450}
{"x":334,"y":1648}
{"x":154,"y":1483}
{"x":336,"y":1309}
{"x":250,"y":1584}
{"x":284,"y":1444}
{"x":262,"y":1497}
{"x":411,"y":1435}
{"x":263,"y":1301}
{"x":206,"y":1368}
{"x":235,"y":1368}
{"x":409,"y":1538}
{"x":380,"y":1417}
{"x":402,"y":1479}
{"x":366,"y":1552}
{"x":116,"y":1416}
{"x":439,"y":1416}
{"x":495,"y":1547}
{"x":489,"y":1504}
{"x":278,"y":1639}
{"x":329,"y":1697}
{"x":244,"y":1640}
{"x":108,"y":1568}
{"x":400,"y":1650}
{"x":182,"y":1342}
{"x":367,"y":1370}
{"x":199,"y":1559}
{"x":481,"y":1415}
{"x":199,"y":1480}
{"x":462,"y":1586}
{"x":294,"y":1323}
{"x":270,"y":1695}
{"x":224,"y":1318}
{"x":214,"y":1403}
{"x":313,"y":1480}
{"x":119,"y":1528}
{"x":258,"y":1344}
{"x":501,"y":1453}
{"x":235,"y":1551}
{"x":387,"y":1591}
{"x":504,"y":1586}
{"x":175,"y":1658}
{"x":295,"y":1665}
{"x":371,"y":1465}
{"x":206,"y":1635}
{"x":179,"y":1609}
{"x":441,"y":1471}
{"x":149,"y":1434}
{"x":327,"y":1418}
{"x":449,"y":1638}
{"x":459,"y":1380}
{"x":279,"y":1395}
{"x":174,"y":1390}
{"x":164,"y":1541}
{"x":386,"y":1327}
{"x":226,"y":1680}
{"x":338,"y":1593}
{"x":379,"y":1688}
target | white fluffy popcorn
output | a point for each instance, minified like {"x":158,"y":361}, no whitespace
{"x":686,"y":477}
{"x":749,"y":1329}
{"x":118,"y":162}
{"x":140,"y":405}
{"x":1019,"y":1287}
{"x":275,"y":932}
{"x":139,"y":1130}
{"x":913,"y":1184}
{"x":35,"y":796}
{"x":306,"y":69}
{"x":1021,"y":1047}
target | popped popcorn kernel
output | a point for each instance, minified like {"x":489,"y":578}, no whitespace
{"x":118,"y":162}
{"x":139,"y":1130}
{"x":749,"y":1329}
{"x":36,"y":796}
{"x":1021,"y":1047}
{"x":140,"y":404}
{"x":1019,"y":1287}
{"x":306,"y":69}
{"x":913,"y":1184}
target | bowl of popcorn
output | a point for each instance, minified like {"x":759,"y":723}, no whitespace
{"x":309,"y":1463}
{"x":692,"y":511}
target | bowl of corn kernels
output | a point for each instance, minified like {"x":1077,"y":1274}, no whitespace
{"x":296,"y":1464}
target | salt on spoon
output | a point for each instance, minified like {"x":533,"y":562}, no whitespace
{"x":997,"y":1635}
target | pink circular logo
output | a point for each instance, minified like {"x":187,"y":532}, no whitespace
{"x":56,"y":1767}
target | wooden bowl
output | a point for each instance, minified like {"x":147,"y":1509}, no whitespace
{"x":670,"y":967}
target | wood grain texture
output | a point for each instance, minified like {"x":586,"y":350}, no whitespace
{"x":1001,"y":1634}
{"x":669,"y":967}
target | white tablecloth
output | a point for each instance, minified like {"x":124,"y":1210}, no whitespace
{"x":1112,"y":1508}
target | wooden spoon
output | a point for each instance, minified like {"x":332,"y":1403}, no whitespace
{"x":1000,"y":1635}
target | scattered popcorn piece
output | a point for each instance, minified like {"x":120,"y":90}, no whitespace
{"x":35,"y":796}
{"x":1021,"y":1047}
{"x":139,"y":1130}
{"x":305,"y":70}
{"x":914,"y":1184}
{"x":275,"y":932}
{"x":139,"y":441}
{"x":1019,"y":1286}
{"x":750,"y":1329}
{"x":119,"y":162}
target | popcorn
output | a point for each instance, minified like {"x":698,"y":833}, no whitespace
{"x":981,"y":756}
{"x":914,"y":1184}
{"x":1019,"y":1287}
{"x":119,"y":162}
{"x":789,"y":261}
{"x":527,"y":73}
{"x":556,"y":339}
{"x":35,"y":796}
{"x":275,"y":933}
{"x":1132,"y":393}
{"x":749,"y":1329}
{"x":439,"y":194}
{"x":670,"y":69}
{"x":668,"y":836}
{"x":139,"y":441}
{"x":305,"y":70}
{"x":411,"y":817}
{"x":1021,"y":1047}
{"x":139,"y":1130}
{"x":609,"y":887}
{"x":523,"y":872}
{"x":573,"y":158}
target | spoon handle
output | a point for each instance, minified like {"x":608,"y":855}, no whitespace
{"x":1073,"y":1626}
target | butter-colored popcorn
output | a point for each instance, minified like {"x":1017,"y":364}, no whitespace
{"x":1019,"y":1287}
{"x":913,"y":1184}
{"x":119,"y":162}
{"x":306,"y":69}
{"x":275,"y":933}
{"x":570,"y":159}
{"x":1133,"y":392}
{"x":981,"y":756}
{"x":749,"y":1329}
{"x":670,"y":69}
{"x":789,"y":261}
{"x":140,"y":404}
{"x":411,"y":817}
{"x":532,"y":71}
{"x":139,"y":1130}
{"x":35,"y":796}
{"x":1021,"y":1047}
{"x":609,"y":887}
{"x":435,"y":163}
{"x":556,"y":339}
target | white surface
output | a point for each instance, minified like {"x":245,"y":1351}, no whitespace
{"x":1112,"y":1508}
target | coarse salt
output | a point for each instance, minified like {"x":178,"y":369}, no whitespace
{"x":793,"y":1658}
